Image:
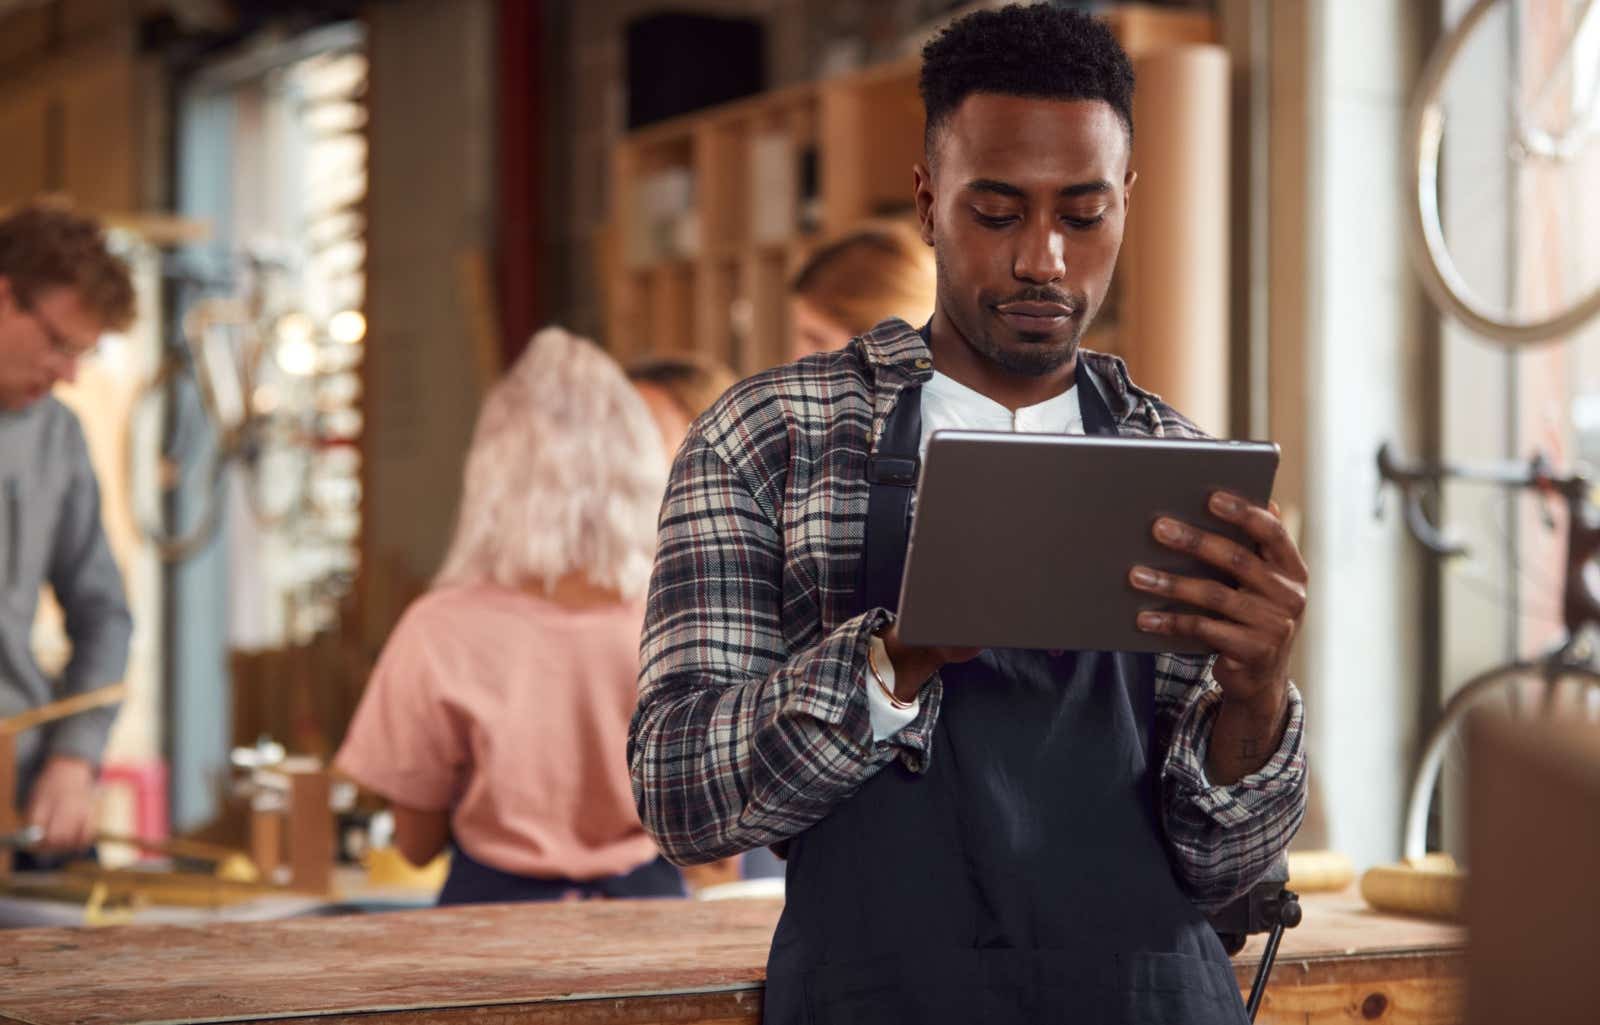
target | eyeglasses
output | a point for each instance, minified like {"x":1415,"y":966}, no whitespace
{"x":60,"y":344}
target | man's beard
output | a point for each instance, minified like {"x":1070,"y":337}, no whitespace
{"x":1036,"y":359}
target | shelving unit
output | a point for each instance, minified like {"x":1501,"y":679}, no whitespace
{"x":712,"y":212}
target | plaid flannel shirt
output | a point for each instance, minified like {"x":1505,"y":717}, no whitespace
{"x":752,"y":720}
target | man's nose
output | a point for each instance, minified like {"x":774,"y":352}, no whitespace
{"x":1041,"y":255}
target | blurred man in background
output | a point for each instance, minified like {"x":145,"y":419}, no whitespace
{"x":60,"y":290}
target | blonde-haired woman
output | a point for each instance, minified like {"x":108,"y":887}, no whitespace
{"x":497,"y":717}
{"x":853,"y":283}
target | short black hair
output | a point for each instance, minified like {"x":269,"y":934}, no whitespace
{"x":1038,"y":50}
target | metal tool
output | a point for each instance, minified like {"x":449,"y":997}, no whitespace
{"x":1267,"y":907}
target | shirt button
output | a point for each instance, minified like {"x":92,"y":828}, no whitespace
{"x":922,"y":363}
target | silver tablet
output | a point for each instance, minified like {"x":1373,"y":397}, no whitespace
{"x":1026,"y":540}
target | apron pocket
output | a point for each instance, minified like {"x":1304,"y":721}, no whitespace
{"x":1161,"y":988}
{"x":896,"y":989}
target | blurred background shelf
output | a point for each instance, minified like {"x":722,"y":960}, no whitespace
{"x":713,"y":212}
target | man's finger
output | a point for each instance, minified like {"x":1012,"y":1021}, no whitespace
{"x":1230,"y":602}
{"x":46,"y":818}
{"x":1234,"y":559}
{"x":85,"y":832}
{"x":1266,"y":528}
{"x":1229,"y":640}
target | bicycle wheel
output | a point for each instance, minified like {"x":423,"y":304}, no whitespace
{"x":1522,"y":689}
{"x":152,"y":476}
{"x":1564,"y":292}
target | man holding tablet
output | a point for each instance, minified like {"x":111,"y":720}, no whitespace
{"x":998,"y":835}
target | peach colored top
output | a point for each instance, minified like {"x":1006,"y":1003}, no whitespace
{"x":511,"y":712}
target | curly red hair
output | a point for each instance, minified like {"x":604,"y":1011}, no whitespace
{"x":46,"y":244}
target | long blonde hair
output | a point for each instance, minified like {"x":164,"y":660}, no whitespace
{"x":863,"y":278}
{"x":565,"y":474}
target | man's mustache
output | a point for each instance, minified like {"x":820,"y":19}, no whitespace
{"x":1046,"y":295}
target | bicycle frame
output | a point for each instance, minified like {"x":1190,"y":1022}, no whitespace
{"x":1580,"y":601}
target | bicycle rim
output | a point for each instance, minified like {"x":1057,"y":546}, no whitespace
{"x":1430,"y":255}
{"x":1579,"y":687}
{"x":169,"y":546}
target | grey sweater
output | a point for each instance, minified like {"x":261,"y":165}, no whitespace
{"x":50,"y":532}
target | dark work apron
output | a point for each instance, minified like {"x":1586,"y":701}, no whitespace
{"x":1023,"y":877}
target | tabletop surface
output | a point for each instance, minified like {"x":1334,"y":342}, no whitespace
{"x":489,"y":955}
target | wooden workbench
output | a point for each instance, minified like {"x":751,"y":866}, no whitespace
{"x":595,"y":964}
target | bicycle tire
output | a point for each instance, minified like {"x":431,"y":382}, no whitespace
{"x":171,"y":546}
{"x":1473,"y":693}
{"x":1424,"y":230}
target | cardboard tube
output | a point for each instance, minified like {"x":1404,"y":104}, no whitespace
{"x":1435,"y":893}
{"x":1173,"y":312}
{"x":1319,"y":871}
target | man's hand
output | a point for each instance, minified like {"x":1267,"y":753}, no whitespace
{"x":913,"y":667}
{"x":63,"y":804}
{"x":1253,"y":628}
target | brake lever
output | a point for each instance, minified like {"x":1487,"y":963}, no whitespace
{"x":1540,"y":470}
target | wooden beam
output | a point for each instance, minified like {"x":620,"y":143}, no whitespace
{"x":64,"y":65}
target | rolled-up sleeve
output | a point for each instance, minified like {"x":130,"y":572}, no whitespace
{"x":1223,"y":837}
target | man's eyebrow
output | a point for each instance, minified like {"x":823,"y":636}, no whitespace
{"x":1000,"y":188}
{"x":1095,"y":187}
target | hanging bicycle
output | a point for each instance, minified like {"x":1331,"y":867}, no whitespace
{"x":1564,"y":681}
{"x":223,"y":395}
{"x":1514,"y":259}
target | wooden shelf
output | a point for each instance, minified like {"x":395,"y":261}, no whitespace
{"x":710,"y":211}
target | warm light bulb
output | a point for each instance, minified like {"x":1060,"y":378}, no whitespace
{"x":297,"y":356}
{"x":295,"y":327}
{"x":348,"y":327}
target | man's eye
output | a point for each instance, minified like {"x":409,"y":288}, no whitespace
{"x":1084,"y":223}
{"x":994,"y":220}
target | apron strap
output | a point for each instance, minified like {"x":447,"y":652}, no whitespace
{"x":892,"y":471}
{"x":1097,"y":418}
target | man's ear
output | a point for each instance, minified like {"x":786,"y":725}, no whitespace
{"x":1127,"y":188}
{"x":923,"y":179}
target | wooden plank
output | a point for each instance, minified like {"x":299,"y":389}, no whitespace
{"x":24,"y":34}
{"x":1340,"y":931}
{"x":99,"y":149}
{"x":608,"y":962}
{"x":79,"y":17}
{"x":480,"y":956}
{"x":742,"y":1007}
{"x":1427,"y":1001}
{"x":64,"y":708}
{"x":43,"y":71}
{"x":24,"y":172}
